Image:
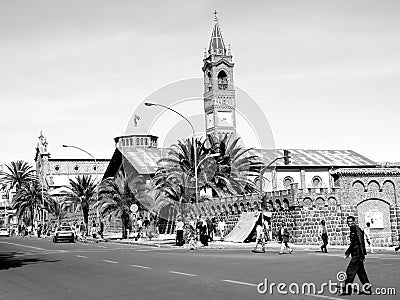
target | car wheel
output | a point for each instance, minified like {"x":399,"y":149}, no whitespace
{"x":72,"y":240}
{"x":54,"y":240}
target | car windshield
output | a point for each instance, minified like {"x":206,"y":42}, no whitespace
{"x":64,"y":228}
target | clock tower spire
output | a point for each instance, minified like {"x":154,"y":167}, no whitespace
{"x":219,"y":91}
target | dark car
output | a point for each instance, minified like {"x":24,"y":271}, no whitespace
{"x":64,"y":233}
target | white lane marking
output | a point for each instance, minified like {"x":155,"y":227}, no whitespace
{"x":81,"y":256}
{"x":142,"y":267}
{"x":180,"y":273}
{"x":102,"y":246}
{"x":36,"y":248}
{"x":240,"y":282}
{"x":110,"y":261}
{"x":143,"y":250}
{"x":325,"y":297}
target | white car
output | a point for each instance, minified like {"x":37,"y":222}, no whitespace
{"x":64,"y":233}
{"x":4,"y":231}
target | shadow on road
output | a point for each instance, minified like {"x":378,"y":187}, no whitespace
{"x":10,"y":260}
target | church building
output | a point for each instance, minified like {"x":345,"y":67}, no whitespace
{"x":317,"y":184}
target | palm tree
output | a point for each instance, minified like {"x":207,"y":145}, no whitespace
{"x":57,"y":209}
{"x":83,"y":192}
{"x":225,"y":174}
{"x":30,"y":197}
{"x":18,"y":173}
{"x":235,"y":165}
{"x":115,"y":198}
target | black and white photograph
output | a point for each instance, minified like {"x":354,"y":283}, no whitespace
{"x":199,"y":149}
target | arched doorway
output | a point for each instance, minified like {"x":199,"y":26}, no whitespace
{"x":377,"y":213}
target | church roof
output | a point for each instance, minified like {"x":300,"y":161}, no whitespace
{"x":144,"y":160}
{"x":317,"y":158}
{"x":217,"y":45}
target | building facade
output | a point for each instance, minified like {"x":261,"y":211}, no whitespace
{"x":317,"y":184}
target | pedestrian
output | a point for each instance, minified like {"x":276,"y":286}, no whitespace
{"x":260,"y":237}
{"x":285,"y":240}
{"x":323,"y":234}
{"x":210,"y":229}
{"x":192,"y":237}
{"x":101,"y":229}
{"x":358,"y":252}
{"x":93,"y":231}
{"x":82,"y":229}
{"x":179,"y":232}
{"x":39,"y":230}
{"x":368,"y":240}
{"x":221,"y":228}
{"x":203,"y":233}
{"x":398,"y":247}
{"x":267,"y":230}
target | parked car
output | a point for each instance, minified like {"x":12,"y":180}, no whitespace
{"x":4,"y":231}
{"x":64,"y":233}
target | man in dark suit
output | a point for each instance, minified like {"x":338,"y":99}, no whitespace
{"x":357,"y":251}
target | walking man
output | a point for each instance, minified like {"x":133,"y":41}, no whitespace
{"x":179,"y":232}
{"x":285,"y":239}
{"x":357,"y":252}
{"x":368,"y":241}
{"x":260,"y":239}
{"x":221,"y":228}
{"x":323,"y":233}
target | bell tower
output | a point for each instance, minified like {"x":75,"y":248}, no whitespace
{"x":219,"y":91}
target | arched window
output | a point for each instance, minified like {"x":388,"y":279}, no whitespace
{"x":137,"y":141}
{"x":222,"y":81}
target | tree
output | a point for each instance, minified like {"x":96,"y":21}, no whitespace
{"x":83,"y":192}
{"x":115,"y":198}
{"x":28,"y":198}
{"x":174,"y":180}
{"x":18,"y":173}
{"x":227,"y":172}
{"x":57,"y":209}
{"x":235,"y":166}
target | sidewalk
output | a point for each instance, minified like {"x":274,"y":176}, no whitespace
{"x":168,"y":241}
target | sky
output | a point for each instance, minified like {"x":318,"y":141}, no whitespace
{"x":324,"y":74}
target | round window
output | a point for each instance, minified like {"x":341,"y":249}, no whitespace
{"x":57,"y":168}
{"x":287,"y":181}
{"x":76,"y":168}
{"x":316,"y":181}
{"x":94,"y":168}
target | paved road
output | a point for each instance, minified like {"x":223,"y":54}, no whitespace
{"x":32,"y":268}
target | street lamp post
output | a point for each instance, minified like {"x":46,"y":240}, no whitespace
{"x":193,"y":142}
{"x":96,"y":166}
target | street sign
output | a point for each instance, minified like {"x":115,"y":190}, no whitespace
{"x":133,"y":208}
